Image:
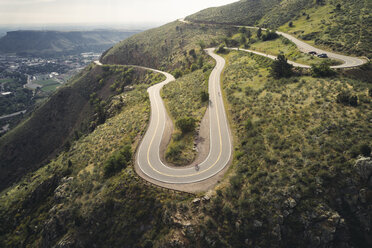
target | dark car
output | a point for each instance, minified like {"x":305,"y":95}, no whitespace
{"x":312,"y":53}
{"x":323,"y":55}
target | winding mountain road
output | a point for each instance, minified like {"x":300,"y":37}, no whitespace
{"x":148,"y":156}
{"x":348,"y":61}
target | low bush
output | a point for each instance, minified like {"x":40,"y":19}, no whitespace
{"x":322,"y":70}
{"x":118,"y":161}
{"x":270,"y":35}
{"x":280,"y":68}
{"x":346,"y":98}
{"x":186,"y":124}
{"x":204,"y":96}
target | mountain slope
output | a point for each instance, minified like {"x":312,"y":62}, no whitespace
{"x":51,"y":43}
{"x":342,"y":26}
{"x":246,"y":12}
{"x":300,"y":176}
{"x":164,"y":47}
{"x":69,"y":113}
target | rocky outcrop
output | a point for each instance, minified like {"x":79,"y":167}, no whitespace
{"x":41,"y":192}
{"x":61,"y":192}
{"x":363,"y":167}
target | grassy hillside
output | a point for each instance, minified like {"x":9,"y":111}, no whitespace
{"x":165,"y":47}
{"x":279,"y":45}
{"x":72,"y":111}
{"x":72,"y":200}
{"x":335,"y":24}
{"x":246,"y":12}
{"x":343,"y":26}
{"x":183,"y":99}
{"x":294,"y":158}
{"x":293,"y":181}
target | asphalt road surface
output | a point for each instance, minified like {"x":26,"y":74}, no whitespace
{"x":12,"y":115}
{"x":349,"y":61}
{"x":148,"y":156}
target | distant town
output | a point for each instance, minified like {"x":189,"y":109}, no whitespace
{"x":26,"y":81}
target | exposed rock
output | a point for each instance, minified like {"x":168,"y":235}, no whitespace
{"x":285,"y":213}
{"x":364,"y":167}
{"x":66,"y":242}
{"x":363,"y":195}
{"x":210,"y":241}
{"x":206,"y":198}
{"x":291,"y":203}
{"x":257,"y":223}
{"x":60,"y":192}
{"x":277,"y":232}
{"x":55,"y":226}
{"x":334,"y":219}
{"x":280,"y":219}
{"x":41,"y":192}
{"x":196,"y":201}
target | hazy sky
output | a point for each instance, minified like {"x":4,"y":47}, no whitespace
{"x":99,"y":11}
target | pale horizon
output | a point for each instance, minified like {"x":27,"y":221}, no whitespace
{"x":98,"y":12}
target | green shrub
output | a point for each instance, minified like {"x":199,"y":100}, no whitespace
{"x":118,"y":161}
{"x":322,"y":70}
{"x":193,"y":67}
{"x":346,"y":98}
{"x":280,"y":68}
{"x":270,"y":35}
{"x":177,"y":73}
{"x":186,"y":124}
{"x":204,"y":96}
{"x":174,"y":151}
{"x":221,"y":49}
{"x":365,"y":150}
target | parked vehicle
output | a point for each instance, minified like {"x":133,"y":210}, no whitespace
{"x":323,"y":55}
{"x":312,"y":53}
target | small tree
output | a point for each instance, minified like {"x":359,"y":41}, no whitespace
{"x":201,"y":45}
{"x":322,"y":70}
{"x":346,"y":98}
{"x":290,"y":24}
{"x":280,"y":68}
{"x":118,"y":161}
{"x":177,"y":73}
{"x":204,"y":96}
{"x":270,"y":35}
{"x":365,"y":150}
{"x":193,"y":67}
{"x":192,"y":53}
{"x":319,"y":2}
{"x":242,"y":30}
{"x":221,"y":49}
{"x":249,"y":34}
{"x":243,"y":40}
{"x":186,"y":124}
{"x":259,"y":33}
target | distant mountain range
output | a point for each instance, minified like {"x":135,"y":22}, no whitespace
{"x":56,"y":43}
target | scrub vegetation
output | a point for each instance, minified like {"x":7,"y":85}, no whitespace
{"x":186,"y":104}
{"x":67,"y":173}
